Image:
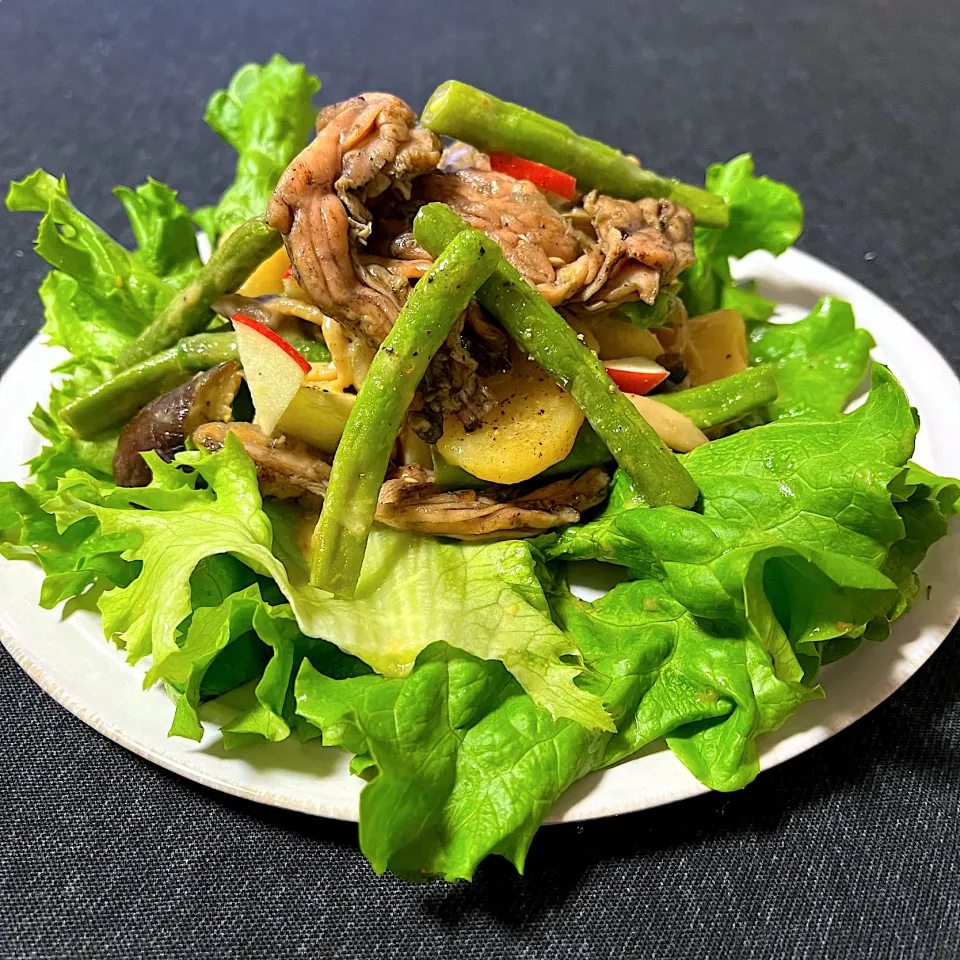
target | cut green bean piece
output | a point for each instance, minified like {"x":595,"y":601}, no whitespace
{"x":315,"y":351}
{"x":116,"y":400}
{"x":189,"y":311}
{"x":360,"y":464}
{"x":458,"y":110}
{"x":726,"y":400}
{"x":543,"y":334}
{"x":206,"y":350}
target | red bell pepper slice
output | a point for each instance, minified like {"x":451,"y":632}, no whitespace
{"x":538,"y":174}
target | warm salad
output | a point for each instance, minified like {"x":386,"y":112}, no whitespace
{"x":428,"y":363}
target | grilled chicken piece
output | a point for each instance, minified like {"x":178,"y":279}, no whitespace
{"x":534,"y":237}
{"x":363,"y":147}
{"x":645,"y":243}
{"x":164,"y":424}
{"x":411,"y":502}
{"x":286,"y":468}
{"x":606,"y":252}
{"x":461,"y":156}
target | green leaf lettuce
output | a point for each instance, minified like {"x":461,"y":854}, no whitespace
{"x":819,"y":360}
{"x":265,"y":114}
{"x":97,"y":298}
{"x":764,"y":215}
{"x":483,"y":598}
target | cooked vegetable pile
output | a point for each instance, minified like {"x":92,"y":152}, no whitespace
{"x":350,"y":459}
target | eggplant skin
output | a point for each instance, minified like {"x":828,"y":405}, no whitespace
{"x":164,"y":423}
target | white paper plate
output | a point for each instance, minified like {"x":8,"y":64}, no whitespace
{"x":69,"y":658}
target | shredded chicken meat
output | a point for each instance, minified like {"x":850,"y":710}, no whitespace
{"x":363,"y":147}
{"x":602,"y":253}
{"x":645,"y":243}
{"x":533,"y":236}
{"x":411,"y":502}
{"x":345,"y":207}
{"x":286,"y":468}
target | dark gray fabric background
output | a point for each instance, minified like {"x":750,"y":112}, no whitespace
{"x":849,"y":851}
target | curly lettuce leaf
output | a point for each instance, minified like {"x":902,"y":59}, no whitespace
{"x":64,"y":450}
{"x":99,"y":283}
{"x":926,"y":503}
{"x":463,"y":764}
{"x":97,"y":298}
{"x":819,"y":360}
{"x":791,"y":521}
{"x":164,"y":231}
{"x":223,"y":644}
{"x":764,"y":215}
{"x":73,"y":559}
{"x":709,"y":688}
{"x":484,"y":598}
{"x":265,"y":114}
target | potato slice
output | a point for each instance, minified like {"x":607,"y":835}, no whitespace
{"x":716,"y":346}
{"x":616,"y":339}
{"x":532,"y":426}
{"x":268,"y":277}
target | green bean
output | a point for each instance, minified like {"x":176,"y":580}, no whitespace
{"x":458,"y":110}
{"x":543,"y":334}
{"x":189,"y":311}
{"x":726,"y":400}
{"x":116,"y":400}
{"x":316,"y":351}
{"x":388,"y":389}
{"x":206,"y":350}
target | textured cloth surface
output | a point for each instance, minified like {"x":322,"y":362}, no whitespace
{"x":848,"y":851}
